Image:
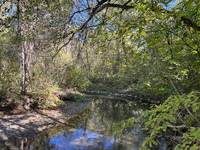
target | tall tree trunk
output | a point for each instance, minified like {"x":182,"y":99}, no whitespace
{"x":23,"y":91}
{"x":24,"y":65}
{"x":25,"y":51}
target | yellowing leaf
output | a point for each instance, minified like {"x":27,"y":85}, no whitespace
{"x":143,"y":33}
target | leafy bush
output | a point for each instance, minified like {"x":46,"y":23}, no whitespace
{"x":76,"y":78}
{"x":176,"y":113}
{"x":51,"y":101}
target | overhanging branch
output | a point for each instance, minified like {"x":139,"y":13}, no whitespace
{"x":190,"y":23}
{"x":101,"y":5}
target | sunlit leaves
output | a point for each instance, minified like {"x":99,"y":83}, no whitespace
{"x":122,"y":127}
{"x":191,"y":138}
{"x":143,"y":33}
{"x":164,"y":116}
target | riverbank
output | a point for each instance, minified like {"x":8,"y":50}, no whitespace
{"x":127,"y":96}
{"x":17,"y":127}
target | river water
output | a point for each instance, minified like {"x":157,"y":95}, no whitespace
{"x":92,"y":129}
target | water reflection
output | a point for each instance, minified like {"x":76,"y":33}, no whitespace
{"x":92,"y":129}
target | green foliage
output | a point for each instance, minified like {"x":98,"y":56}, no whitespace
{"x":75,"y":78}
{"x":191,"y":121}
{"x":122,"y":127}
{"x":9,"y":65}
{"x":79,"y":98}
{"x":174,"y":112}
{"x":50,"y":101}
{"x":191,"y":140}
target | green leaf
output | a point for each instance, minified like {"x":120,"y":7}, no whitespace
{"x":194,"y":147}
{"x":143,"y":33}
{"x":171,"y":111}
{"x":152,"y":125}
{"x":145,"y":114}
{"x":117,"y":104}
{"x":165,"y":115}
{"x":130,"y":134}
{"x":195,"y":108}
{"x":175,"y":107}
{"x":159,"y":119}
{"x":154,"y":142}
{"x":173,"y":120}
{"x":132,"y":52}
{"x":168,"y":123}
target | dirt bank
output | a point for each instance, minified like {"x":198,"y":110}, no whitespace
{"x":16,"y":127}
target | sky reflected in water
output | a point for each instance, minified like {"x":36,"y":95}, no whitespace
{"x":92,"y":129}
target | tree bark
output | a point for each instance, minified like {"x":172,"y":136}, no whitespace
{"x":24,"y":65}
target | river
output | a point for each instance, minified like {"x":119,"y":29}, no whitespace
{"x":92,"y":129}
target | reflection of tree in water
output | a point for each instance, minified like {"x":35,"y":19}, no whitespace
{"x":105,"y":114}
{"x":38,"y":143}
{"x":89,"y":129}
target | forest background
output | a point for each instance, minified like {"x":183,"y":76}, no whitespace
{"x":146,"y":48}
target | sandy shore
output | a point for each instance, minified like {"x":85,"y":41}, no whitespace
{"x":16,"y":127}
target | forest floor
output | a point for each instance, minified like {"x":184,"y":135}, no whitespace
{"x":18,"y":126}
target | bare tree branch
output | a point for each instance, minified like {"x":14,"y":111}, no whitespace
{"x":177,"y":127}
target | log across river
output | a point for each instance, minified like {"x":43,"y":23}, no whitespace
{"x":128,"y":96}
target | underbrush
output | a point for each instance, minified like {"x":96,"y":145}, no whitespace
{"x":126,"y":87}
{"x":18,"y":103}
